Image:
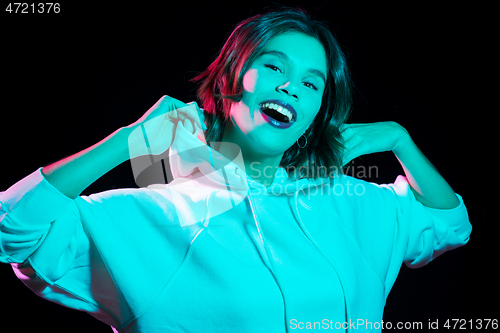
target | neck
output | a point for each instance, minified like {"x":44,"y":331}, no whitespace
{"x":261,"y":168}
{"x":258,"y":166}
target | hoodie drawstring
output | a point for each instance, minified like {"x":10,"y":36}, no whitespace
{"x":264,"y":247}
{"x":207,"y":209}
{"x":269,"y":257}
{"x":313,"y":241}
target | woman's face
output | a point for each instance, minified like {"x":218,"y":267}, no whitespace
{"x":282,"y":93}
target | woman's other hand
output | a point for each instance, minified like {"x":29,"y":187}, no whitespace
{"x":362,"y":139}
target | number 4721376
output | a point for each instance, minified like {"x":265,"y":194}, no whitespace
{"x":33,"y":8}
{"x":471,"y":324}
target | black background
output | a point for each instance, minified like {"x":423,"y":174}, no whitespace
{"x":70,"y":79}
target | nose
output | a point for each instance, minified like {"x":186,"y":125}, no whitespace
{"x":289,"y":89}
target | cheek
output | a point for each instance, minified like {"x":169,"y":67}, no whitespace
{"x":250,"y":80}
{"x":240,"y":117}
{"x":313,"y":111}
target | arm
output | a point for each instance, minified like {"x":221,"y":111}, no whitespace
{"x":428,"y":186}
{"x":73,"y":174}
{"x":31,"y":206}
{"x":426,"y":183}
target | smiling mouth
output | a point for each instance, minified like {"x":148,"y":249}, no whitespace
{"x":278,"y":113}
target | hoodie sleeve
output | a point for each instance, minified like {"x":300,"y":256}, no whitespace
{"x":43,"y":238}
{"x":420,"y":234}
{"x":27,"y":210}
{"x":428,"y":232}
{"x":108,"y":254}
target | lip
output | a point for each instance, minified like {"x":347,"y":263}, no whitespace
{"x":274,"y":122}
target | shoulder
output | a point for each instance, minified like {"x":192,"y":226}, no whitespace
{"x":122,"y":194}
{"x":354,"y":189}
{"x":128,"y":201}
{"x":357,"y":198}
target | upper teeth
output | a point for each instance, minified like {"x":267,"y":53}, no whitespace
{"x":279,"y":108}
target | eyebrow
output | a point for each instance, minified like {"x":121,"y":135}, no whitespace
{"x":283,"y":56}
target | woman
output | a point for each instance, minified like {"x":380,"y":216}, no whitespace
{"x":259,"y":231}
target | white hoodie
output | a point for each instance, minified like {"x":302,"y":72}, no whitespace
{"x":215,"y":251}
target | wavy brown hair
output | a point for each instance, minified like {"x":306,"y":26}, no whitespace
{"x":221,"y":84}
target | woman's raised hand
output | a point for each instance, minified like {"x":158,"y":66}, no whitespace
{"x":153,"y":133}
{"x":362,"y":139}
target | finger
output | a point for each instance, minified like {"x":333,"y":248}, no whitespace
{"x":172,"y":103}
{"x":356,"y":150}
{"x":172,"y":116}
{"x":168,"y":104}
{"x":200,"y":111}
{"x":193,"y":111}
{"x":343,"y":127}
{"x":201,"y":116}
{"x":189,"y":125}
{"x":352,"y":149}
{"x":200,"y":134}
{"x":203,"y":125}
{"x":347,"y":133}
{"x":190,"y":110}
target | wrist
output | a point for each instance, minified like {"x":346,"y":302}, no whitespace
{"x":403,"y":143}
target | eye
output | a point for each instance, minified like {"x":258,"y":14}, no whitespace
{"x":273,"y":68}
{"x":310,"y":85}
